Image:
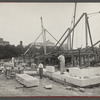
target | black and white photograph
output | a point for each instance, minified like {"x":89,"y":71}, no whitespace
{"x":49,"y":49}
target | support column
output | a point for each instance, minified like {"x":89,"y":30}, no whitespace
{"x":79,"y":57}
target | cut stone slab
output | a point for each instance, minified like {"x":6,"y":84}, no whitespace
{"x":48,"y":86}
{"x":73,"y":80}
{"x":50,"y":69}
{"x":49,"y":74}
{"x":57,"y":75}
{"x":27,"y":80}
{"x":8,"y":64}
{"x":30,"y":72}
{"x":60,"y":76}
{"x":82,"y":89}
{"x":77,"y":72}
{"x":83,"y":82}
{"x":85,"y":72}
{"x":76,"y":76}
{"x":93,"y":71}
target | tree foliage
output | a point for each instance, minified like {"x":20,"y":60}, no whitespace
{"x":9,"y":51}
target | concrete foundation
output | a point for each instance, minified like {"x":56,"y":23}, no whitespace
{"x":76,"y":76}
{"x":49,"y":74}
{"x":85,"y":72}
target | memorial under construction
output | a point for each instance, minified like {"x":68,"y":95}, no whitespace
{"x":82,"y":65}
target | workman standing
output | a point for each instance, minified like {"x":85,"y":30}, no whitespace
{"x":34,"y":66}
{"x":62,"y":63}
{"x":40,"y":66}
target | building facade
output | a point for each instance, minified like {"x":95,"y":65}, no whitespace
{"x":47,"y":43}
{"x":2,"y":42}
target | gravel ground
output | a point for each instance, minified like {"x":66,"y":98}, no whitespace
{"x":8,"y":88}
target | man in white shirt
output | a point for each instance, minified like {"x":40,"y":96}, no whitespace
{"x":40,"y":66}
{"x":62,"y":63}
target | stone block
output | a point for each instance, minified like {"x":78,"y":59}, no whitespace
{"x":49,"y":74}
{"x":82,"y":82}
{"x":93,"y":80}
{"x":50,"y":69}
{"x":57,"y":75}
{"x":74,"y":80}
{"x":85,"y":72}
{"x":76,"y":76}
{"x":92,"y":71}
{"x":8,"y":64}
{"x":30,"y":72}
{"x":98,"y":71}
{"x":27,"y":80}
{"x":77,"y":72}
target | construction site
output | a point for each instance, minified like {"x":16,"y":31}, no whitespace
{"x":21,"y":76}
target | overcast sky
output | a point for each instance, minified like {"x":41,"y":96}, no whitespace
{"x":21,"y":21}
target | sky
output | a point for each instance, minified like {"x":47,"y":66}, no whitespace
{"x":21,"y":21}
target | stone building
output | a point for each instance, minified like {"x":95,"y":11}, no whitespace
{"x":2,"y":42}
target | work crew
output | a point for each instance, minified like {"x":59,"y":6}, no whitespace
{"x":62,"y":63}
{"x":40,"y":66}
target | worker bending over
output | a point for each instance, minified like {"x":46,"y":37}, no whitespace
{"x":62,"y":63}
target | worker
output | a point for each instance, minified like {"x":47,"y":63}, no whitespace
{"x":40,"y":66}
{"x":33,"y":66}
{"x":62,"y":63}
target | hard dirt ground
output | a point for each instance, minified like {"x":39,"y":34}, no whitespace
{"x":8,"y":88}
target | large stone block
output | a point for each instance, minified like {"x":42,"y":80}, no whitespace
{"x":27,"y":80}
{"x":8,"y":64}
{"x":77,"y":72}
{"x":49,"y":74}
{"x":91,"y":81}
{"x":50,"y":69}
{"x":72,"y":80}
{"x":98,"y":71}
{"x":85,"y":72}
{"x":57,"y":75}
{"x":30,"y":72}
{"x":76,"y":76}
{"x":92,"y":71}
{"x":83,"y":82}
